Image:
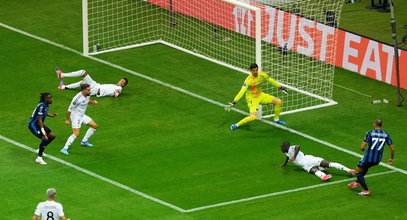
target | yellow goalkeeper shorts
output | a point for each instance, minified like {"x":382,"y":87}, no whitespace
{"x":263,"y":98}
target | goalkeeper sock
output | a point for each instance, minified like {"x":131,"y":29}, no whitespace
{"x":246,"y":120}
{"x":277,"y":110}
{"x":74,"y":74}
{"x":339,"y":166}
{"x":73,"y":85}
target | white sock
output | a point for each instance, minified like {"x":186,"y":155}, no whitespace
{"x":89,"y":133}
{"x":339,"y":166}
{"x":74,"y":74}
{"x":319,"y":173}
{"x":69,"y":141}
{"x":73,"y":85}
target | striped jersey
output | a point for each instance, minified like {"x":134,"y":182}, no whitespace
{"x":376,"y":139}
{"x":79,"y":105}
{"x":40,"y":110}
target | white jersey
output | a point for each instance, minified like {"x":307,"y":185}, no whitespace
{"x":300,"y":156}
{"x":49,"y":210}
{"x":108,"y":89}
{"x":302,"y":160}
{"x":79,"y":105}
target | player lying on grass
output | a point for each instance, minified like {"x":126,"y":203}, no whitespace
{"x":309,"y":163}
{"x":375,"y":140}
{"x":252,"y":86}
{"x":37,"y":126}
{"x":97,"y":89}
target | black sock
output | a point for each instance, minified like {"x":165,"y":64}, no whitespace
{"x":361,"y":180}
{"x":43,"y":143}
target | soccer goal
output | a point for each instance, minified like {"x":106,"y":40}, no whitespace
{"x":291,"y":40}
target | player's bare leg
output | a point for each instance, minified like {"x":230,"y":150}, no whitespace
{"x":92,"y":128}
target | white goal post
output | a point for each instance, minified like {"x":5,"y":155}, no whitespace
{"x":291,"y":40}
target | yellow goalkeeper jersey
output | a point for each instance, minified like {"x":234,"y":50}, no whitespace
{"x":252,"y":86}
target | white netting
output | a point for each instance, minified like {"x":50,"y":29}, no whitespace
{"x":298,"y":50}
{"x":297,"y":47}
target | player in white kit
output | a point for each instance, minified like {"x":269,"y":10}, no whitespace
{"x":49,"y":210}
{"x":97,"y":89}
{"x":76,"y":117}
{"x":309,"y":163}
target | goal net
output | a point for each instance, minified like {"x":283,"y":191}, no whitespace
{"x":291,"y":40}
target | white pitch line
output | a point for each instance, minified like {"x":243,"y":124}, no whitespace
{"x":194,"y":95}
{"x":343,"y":87}
{"x":282,"y":192}
{"x":90,"y":173}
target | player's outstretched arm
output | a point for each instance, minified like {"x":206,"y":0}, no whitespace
{"x":284,"y":90}
{"x":52,"y":115}
{"x":285,"y":163}
{"x":94,"y":102}
{"x":229,"y":105}
{"x":276,"y":84}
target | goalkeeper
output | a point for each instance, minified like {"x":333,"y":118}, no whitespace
{"x":252,"y":86}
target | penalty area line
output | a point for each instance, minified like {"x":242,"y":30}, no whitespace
{"x":282,"y":192}
{"x":97,"y":176}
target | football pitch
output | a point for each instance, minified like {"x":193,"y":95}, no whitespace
{"x":164,"y":149}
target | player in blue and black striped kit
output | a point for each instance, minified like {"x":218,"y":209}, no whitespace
{"x":37,"y":127}
{"x":375,"y":140}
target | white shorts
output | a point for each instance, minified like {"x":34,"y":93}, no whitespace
{"x":77,"y":121}
{"x":94,"y":86}
{"x":310,"y":161}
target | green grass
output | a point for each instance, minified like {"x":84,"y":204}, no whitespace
{"x":374,"y":24}
{"x":173,"y":146}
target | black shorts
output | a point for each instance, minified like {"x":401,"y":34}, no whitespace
{"x":366,"y":165}
{"x":36,"y":130}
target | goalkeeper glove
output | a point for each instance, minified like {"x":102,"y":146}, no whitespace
{"x":284,"y":90}
{"x":229,"y":105}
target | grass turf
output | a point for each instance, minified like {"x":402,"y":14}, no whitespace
{"x":178,"y":148}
